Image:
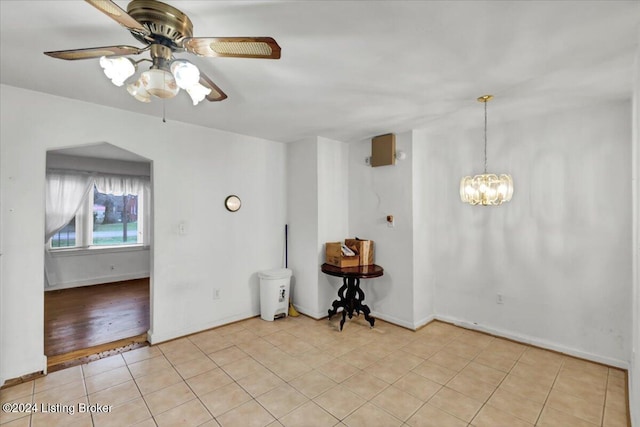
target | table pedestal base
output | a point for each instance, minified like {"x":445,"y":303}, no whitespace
{"x":350,"y":302}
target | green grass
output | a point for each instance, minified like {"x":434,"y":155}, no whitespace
{"x":115,"y":227}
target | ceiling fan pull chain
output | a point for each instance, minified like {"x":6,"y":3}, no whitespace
{"x":164,"y":110}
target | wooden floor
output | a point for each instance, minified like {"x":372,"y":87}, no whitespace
{"x":89,"y":317}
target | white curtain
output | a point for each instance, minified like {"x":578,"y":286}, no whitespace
{"x":132,"y":186}
{"x":64,"y":195}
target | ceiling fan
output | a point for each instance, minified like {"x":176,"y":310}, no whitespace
{"x":165,"y":30}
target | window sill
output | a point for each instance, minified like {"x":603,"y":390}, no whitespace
{"x":96,"y":250}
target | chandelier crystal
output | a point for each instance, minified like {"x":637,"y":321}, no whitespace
{"x":486,"y":189}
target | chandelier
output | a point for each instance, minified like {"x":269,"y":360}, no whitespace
{"x":486,"y":189}
{"x":164,"y":79}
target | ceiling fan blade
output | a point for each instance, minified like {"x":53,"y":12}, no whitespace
{"x":235,"y":47}
{"x":94,"y":52}
{"x":216,"y":93}
{"x":116,"y":13}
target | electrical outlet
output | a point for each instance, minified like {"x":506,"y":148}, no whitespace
{"x":499,"y":299}
{"x":216,"y":293}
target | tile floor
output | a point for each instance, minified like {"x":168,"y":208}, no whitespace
{"x":302,"y":372}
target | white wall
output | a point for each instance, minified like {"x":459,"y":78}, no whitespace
{"x":70,"y":269}
{"x":317,"y":213}
{"x":333,"y":211}
{"x":302,"y":217}
{"x":194,"y":169}
{"x":559,"y":252}
{"x":634,"y":372}
{"x":376,"y":192}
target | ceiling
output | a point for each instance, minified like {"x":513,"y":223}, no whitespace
{"x":349,"y":69}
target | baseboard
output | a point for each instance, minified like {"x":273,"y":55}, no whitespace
{"x":310,"y":313}
{"x":394,"y":320}
{"x":157,"y":338}
{"x":525,"y":339}
{"x":420,"y":323}
{"x":97,"y":281}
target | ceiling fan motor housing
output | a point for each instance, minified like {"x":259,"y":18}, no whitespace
{"x":168,"y":26}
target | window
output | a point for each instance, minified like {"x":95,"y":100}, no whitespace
{"x":65,"y":238}
{"x":103,"y":220}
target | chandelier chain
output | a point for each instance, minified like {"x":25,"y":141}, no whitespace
{"x":485,"y":137}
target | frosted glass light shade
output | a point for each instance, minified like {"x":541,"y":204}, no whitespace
{"x":159,"y":83}
{"x":118,"y":69}
{"x":197,"y":92}
{"x":138,"y":91}
{"x":486,"y":189}
{"x":186,"y":73}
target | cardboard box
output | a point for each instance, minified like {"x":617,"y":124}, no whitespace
{"x":364,"y":249}
{"x":333,"y":256}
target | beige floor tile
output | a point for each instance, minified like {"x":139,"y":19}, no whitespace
{"x":249,"y":414}
{"x":168,"y":398}
{"x":18,"y":408}
{"x":421,"y":349}
{"x":456,"y":404}
{"x":182,"y":355}
{"x":116,"y":395}
{"x":339,"y":401}
{"x":224,"y":399}
{"x":433,"y":372}
{"x":596,"y":380}
{"x":551,"y":417}
{"x":259,"y":384}
{"x":282,"y":400}
{"x":140,"y":354}
{"x":525,"y":387}
{"x":430,"y":416}
{"x":62,"y":413}
{"x":16,"y":391}
{"x":449,"y":360}
{"x":614,"y":418}
{"x":61,"y":393}
{"x":575,"y":406}
{"x":471,"y":386}
{"x":484,"y":373}
{"x":149,"y":366}
{"x":315,"y":358}
{"x":24,"y":421}
{"x":616,"y":400}
{"x":291,"y":370}
{"x":195,"y":367}
{"x":592,"y":368}
{"x":149,"y":422}
{"x":102,"y":365}
{"x":127,"y":414}
{"x":365,"y":385}
{"x":192,"y":413}
{"x":58,"y":378}
{"x":495,"y":361}
{"x":525,"y":409}
{"x":538,"y":356}
{"x":507,"y":349}
{"x":534,"y":373}
{"x":107,"y":379}
{"x":313,"y":383}
{"x":177,"y":345}
{"x":227,"y":355}
{"x":359,"y":358}
{"x":309,"y":415}
{"x":387,"y":371}
{"x":242,"y":368}
{"x":398,"y":403}
{"x":369,"y":415}
{"x":403,"y":359}
{"x":157,"y":381}
{"x":209,"y":381}
{"x":617,"y":373}
{"x":614,"y":382}
{"x":338,"y":370}
{"x":463,"y":349}
{"x":493,"y":417}
{"x":417,"y":386}
{"x":579,"y":388}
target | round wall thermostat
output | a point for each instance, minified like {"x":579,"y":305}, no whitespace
{"x":232,"y":203}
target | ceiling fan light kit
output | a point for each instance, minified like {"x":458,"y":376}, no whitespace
{"x":165,"y":30}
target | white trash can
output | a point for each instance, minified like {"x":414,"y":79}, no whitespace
{"x":274,"y":293}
